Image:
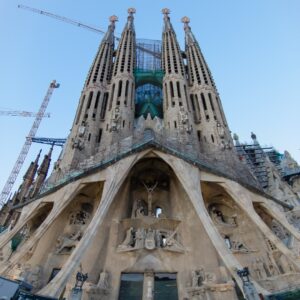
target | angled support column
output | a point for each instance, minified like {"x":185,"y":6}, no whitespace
{"x":189,"y":176}
{"x":118,"y":174}
{"x":243,"y":199}
{"x":32,"y":242}
{"x":280,"y":217}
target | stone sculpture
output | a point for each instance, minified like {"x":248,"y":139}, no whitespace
{"x":67,"y":242}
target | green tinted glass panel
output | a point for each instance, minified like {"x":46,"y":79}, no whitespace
{"x":165,"y":287}
{"x":131,"y":286}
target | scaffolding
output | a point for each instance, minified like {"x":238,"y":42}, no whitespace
{"x":148,"y":79}
{"x":255,"y":157}
{"x":145,"y":60}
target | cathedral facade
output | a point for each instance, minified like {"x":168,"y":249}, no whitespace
{"x":151,"y":198}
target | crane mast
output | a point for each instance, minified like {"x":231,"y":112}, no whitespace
{"x":24,"y":151}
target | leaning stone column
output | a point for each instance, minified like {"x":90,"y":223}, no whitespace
{"x":189,"y":177}
{"x":69,"y":192}
{"x":243,"y":199}
{"x":115,"y":177}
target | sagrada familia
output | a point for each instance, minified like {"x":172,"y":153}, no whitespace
{"x":151,"y":197}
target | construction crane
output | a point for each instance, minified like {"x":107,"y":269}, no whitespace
{"x":79,"y":24}
{"x":17,"y":113}
{"x":21,"y":158}
{"x":49,"y":141}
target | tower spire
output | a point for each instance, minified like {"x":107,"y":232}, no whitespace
{"x":209,"y":118}
{"x":89,"y":123}
{"x":176,"y":107}
{"x":28,"y":179}
{"x":42,"y":173}
{"x":122,"y":90}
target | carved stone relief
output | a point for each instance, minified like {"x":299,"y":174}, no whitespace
{"x":102,"y":288}
{"x":220,"y":218}
{"x":67,"y":242}
{"x":150,"y":239}
{"x":281,"y":232}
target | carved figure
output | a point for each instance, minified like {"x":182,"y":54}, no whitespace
{"x":184,"y":120}
{"x":115,"y":121}
{"x":258,"y":268}
{"x":128,"y":241}
{"x":280,"y":232}
{"x":103,"y":282}
{"x":66,"y":243}
{"x":139,"y":238}
{"x":284,"y":264}
{"x":150,"y":239}
{"x":78,"y":144}
{"x":237,"y":246}
{"x":198,"y":277}
{"x":172,"y":244}
{"x":219,"y":218}
{"x":140,"y":210}
{"x":79,"y":217}
{"x":34,"y":277}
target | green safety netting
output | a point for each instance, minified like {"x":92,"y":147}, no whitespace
{"x":153,"y":77}
{"x":148,"y":95}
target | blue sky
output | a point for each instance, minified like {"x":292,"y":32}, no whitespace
{"x":252,"y":48}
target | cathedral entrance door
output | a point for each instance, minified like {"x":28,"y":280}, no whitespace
{"x":131,"y":286}
{"x":165,"y":286}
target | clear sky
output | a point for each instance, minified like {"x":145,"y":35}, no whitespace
{"x":252,"y":48}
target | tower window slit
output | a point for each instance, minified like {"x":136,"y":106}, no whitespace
{"x":199,"y":135}
{"x":172,"y":89}
{"x":192,"y":101}
{"x":97,"y":101}
{"x":112,"y":96}
{"x":175,"y":124}
{"x":126,"y":88}
{"x":80,"y":109}
{"x":120,"y":88}
{"x":178,"y":89}
{"x":89,"y":137}
{"x":103,"y":106}
{"x":123,"y":123}
{"x":211,"y":102}
{"x":212,"y":138}
{"x":203,"y":101}
{"x":166,"y":95}
{"x":90,"y":100}
{"x":99,"y":135}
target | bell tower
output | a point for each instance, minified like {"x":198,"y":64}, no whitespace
{"x":177,"y":117}
{"x":209,"y":118}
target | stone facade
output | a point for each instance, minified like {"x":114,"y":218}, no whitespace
{"x":145,"y":206}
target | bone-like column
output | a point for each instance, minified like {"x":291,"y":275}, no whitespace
{"x":114,"y":181}
{"x":189,"y":177}
{"x":237,"y":193}
{"x":67,"y":193}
